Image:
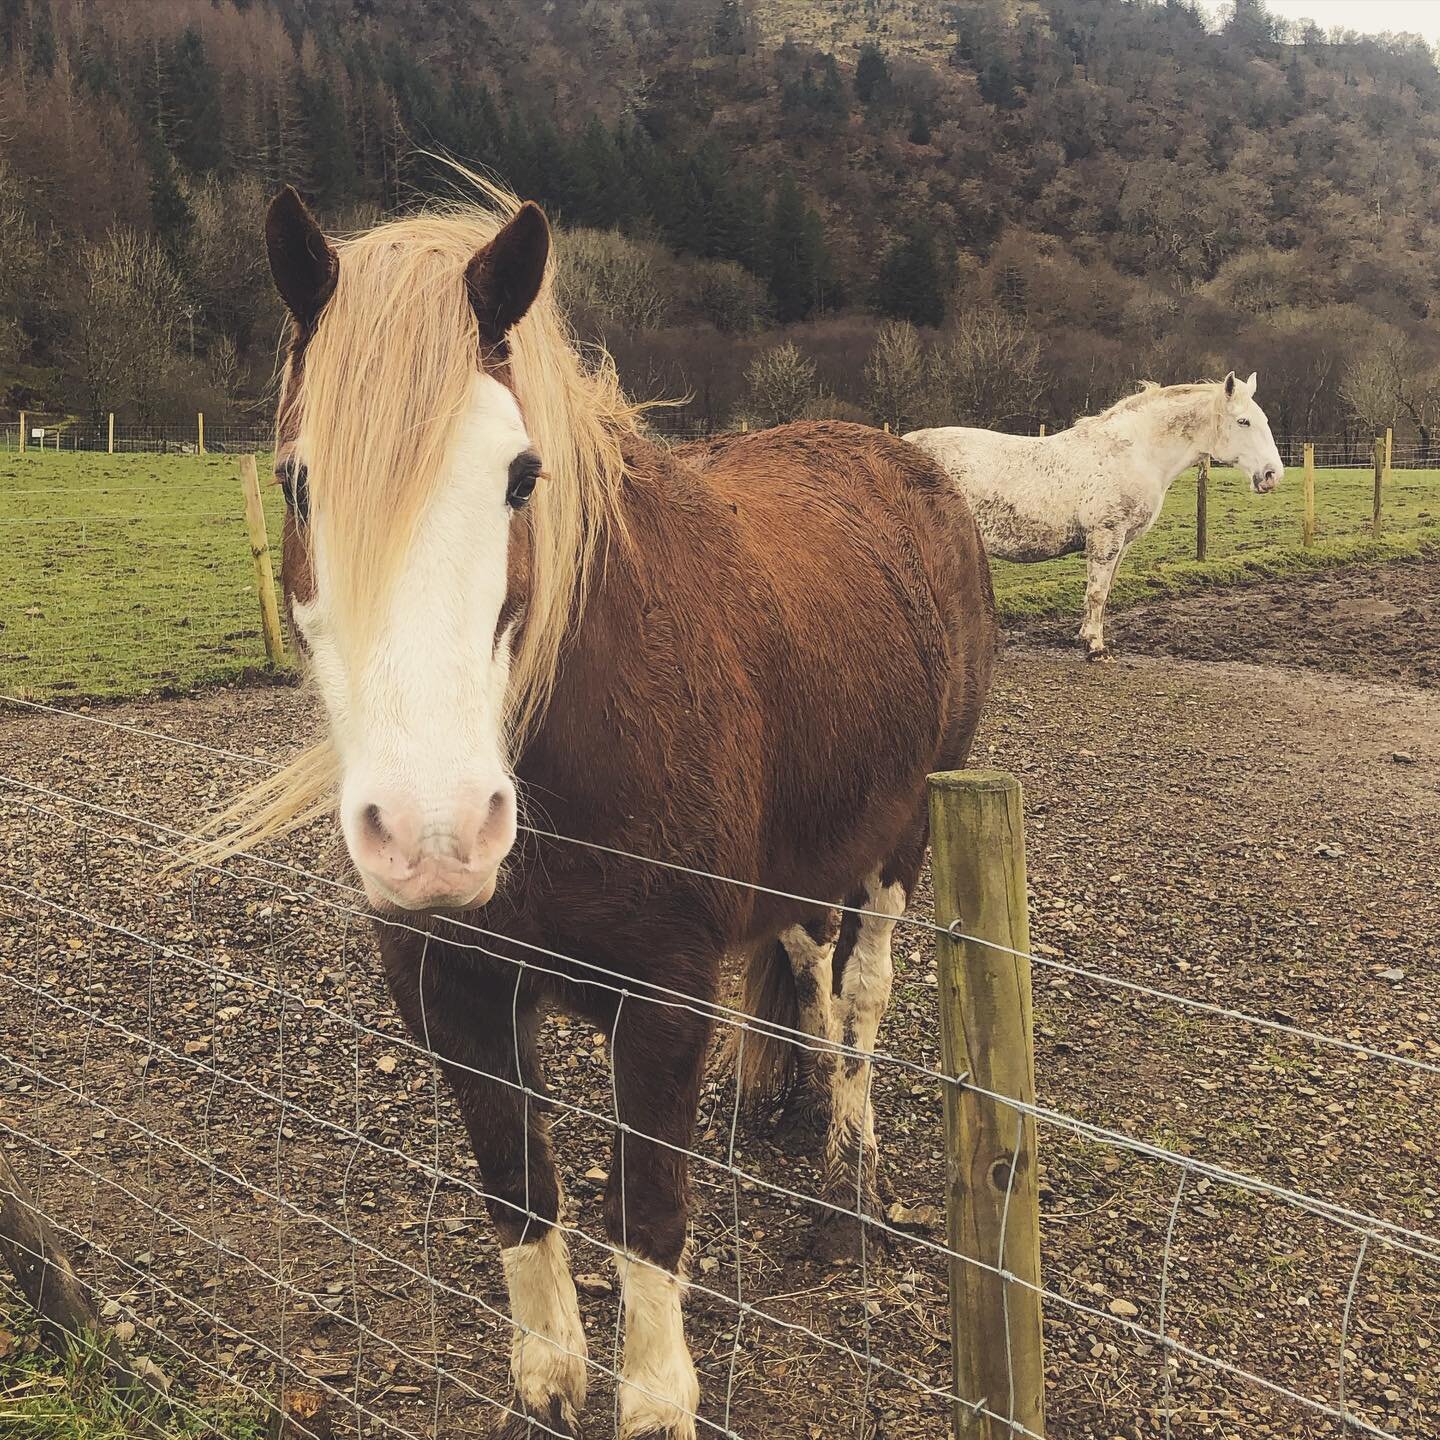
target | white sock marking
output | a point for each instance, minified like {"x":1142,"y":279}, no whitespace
{"x":547,"y":1356}
{"x":864,"y":994}
{"x":659,"y":1390}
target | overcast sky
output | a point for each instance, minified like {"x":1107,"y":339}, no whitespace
{"x":1421,"y":17}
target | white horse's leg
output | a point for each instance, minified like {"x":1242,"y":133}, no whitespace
{"x":659,"y":1390}
{"x":1103,"y":549}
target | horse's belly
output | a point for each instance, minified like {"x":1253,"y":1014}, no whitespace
{"x":1012,"y":533}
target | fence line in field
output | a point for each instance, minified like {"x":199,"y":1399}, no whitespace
{"x":198,"y":435}
{"x":1371,"y":1229}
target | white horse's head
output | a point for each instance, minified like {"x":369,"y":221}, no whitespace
{"x":1244,"y":439}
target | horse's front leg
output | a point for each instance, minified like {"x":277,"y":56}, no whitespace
{"x":1103,"y":549}
{"x":465,"y":1017}
{"x":658,"y":1055}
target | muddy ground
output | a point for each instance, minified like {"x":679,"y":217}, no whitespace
{"x":1261,"y":837}
{"x":1380,"y":623}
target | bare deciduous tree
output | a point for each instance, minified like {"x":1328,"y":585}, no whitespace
{"x":1370,"y":385}
{"x":780,"y":384}
{"x":617,"y":280}
{"x":896,"y":378}
{"x":986,"y":371}
{"x":125,"y":311}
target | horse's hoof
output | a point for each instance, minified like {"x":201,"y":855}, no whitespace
{"x":803,"y":1123}
{"x":524,"y":1422}
{"x":1098,"y":657}
{"x":842,"y":1238}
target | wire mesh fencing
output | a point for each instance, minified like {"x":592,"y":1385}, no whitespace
{"x":205,"y":1084}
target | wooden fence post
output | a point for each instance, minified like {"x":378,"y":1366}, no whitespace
{"x":1389,"y":447}
{"x":46,"y":1278}
{"x":1202,"y":504}
{"x":1307,"y":533}
{"x":978,"y":867}
{"x":1042,"y":429}
{"x":260,"y":552}
{"x":887,"y":427}
{"x":23,"y":422}
{"x":200,"y":432}
{"x":1379,"y":484}
{"x":110,"y":435}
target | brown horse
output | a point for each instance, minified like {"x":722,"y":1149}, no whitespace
{"x":744,"y":658}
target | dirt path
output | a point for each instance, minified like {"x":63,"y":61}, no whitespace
{"x":1257,"y":838}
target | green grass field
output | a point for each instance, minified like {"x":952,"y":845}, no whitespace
{"x":1250,"y":537}
{"x":123,"y":574}
{"x":126,"y":574}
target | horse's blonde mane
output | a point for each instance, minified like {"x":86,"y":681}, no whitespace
{"x":384,"y":382}
{"x":1149,"y":389}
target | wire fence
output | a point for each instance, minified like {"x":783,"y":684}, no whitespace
{"x":69,"y":436}
{"x":1338,"y":451}
{"x":128,"y":575}
{"x":256,"y":1166}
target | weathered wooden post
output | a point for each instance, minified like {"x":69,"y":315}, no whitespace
{"x":1379,"y":484}
{"x":887,"y":427}
{"x":1202,"y":501}
{"x":1389,"y":447}
{"x":23,"y":419}
{"x":1042,"y":429}
{"x":260,"y":552}
{"x":1307,"y":533}
{"x":34,"y":1256}
{"x":991,"y":1188}
{"x":110,"y":435}
{"x":199,"y":432}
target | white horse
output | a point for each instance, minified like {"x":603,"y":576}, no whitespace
{"x":1100,"y":484}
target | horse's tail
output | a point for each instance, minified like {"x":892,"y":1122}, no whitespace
{"x":762,"y":1054}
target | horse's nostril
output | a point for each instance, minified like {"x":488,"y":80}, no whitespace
{"x":373,"y":824}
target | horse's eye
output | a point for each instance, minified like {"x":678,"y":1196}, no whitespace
{"x":1244,"y":422}
{"x":524,"y":472}
{"x":294,"y":485}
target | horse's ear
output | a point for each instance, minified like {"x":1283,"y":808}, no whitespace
{"x":1251,"y":383}
{"x":505,"y":277}
{"x":302,"y":260}
{"x":1230,"y":385}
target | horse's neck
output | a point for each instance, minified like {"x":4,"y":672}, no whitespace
{"x":1171,"y":434}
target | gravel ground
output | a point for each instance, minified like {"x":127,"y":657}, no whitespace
{"x":1259,"y":838}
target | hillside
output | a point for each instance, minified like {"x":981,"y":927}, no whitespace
{"x":1134,"y":189}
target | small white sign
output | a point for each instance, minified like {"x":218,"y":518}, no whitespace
{"x":37,"y":434}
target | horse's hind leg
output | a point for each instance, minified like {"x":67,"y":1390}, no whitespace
{"x":810,"y":950}
{"x":864,"y":974}
{"x":1103,"y":549}
{"x":658,"y":1054}
{"x":490,"y":1068}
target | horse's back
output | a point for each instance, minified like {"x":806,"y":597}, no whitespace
{"x":867,"y":618}
{"x":822,"y":506}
